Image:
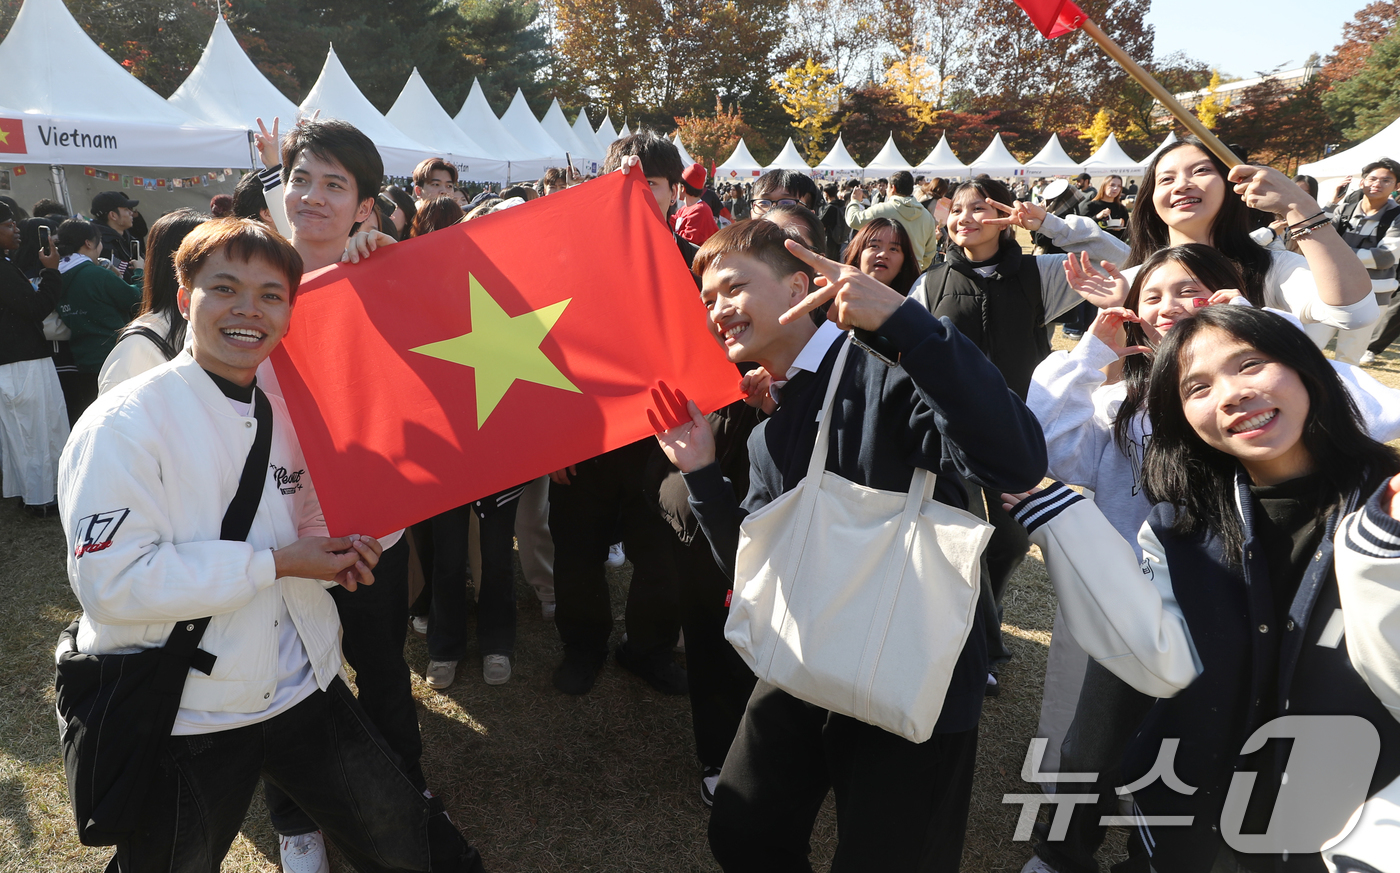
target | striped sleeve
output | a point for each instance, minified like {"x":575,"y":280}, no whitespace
{"x":1372,"y":532}
{"x":1044,"y":505}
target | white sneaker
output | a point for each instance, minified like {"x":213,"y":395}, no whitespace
{"x":1037,"y":865}
{"x":441,"y":674}
{"x":547,"y":610}
{"x":420,"y":624}
{"x":1368,"y":357}
{"x":495,"y":669}
{"x":616,"y":557}
{"x":305,"y":854}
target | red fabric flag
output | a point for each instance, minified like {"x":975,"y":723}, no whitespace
{"x":1053,"y":17}
{"x":479,"y":357}
{"x":12,"y":136}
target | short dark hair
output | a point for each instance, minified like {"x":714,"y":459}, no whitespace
{"x":988,"y":189}
{"x":75,"y":233}
{"x":221,"y":205}
{"x":555,"y":176}
{"x":334,"y":140}
{"x":815,"y":236}
{"x":1181,"y":469}
{"x":248,"y":198}
{"x":405,"y":202}
{"x":756,"y":238}
{"x":796,"y":183}
{"x":46,"y":207}
{"x":242,"y":239}
{"x":659,"y":155}
{"x":1382,"y":164}
{"x":903,"y":183}
{"x":423,"y":173}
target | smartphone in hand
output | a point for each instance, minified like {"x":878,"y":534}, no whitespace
{"x":44,"y":236}
{"x":136,"y":250}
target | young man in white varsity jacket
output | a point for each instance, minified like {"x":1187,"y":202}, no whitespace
{"x":943,"y":407}
{"x":143,"y":486}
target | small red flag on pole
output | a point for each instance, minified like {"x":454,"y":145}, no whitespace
{"x":1053,"y":17}
{"x":1058,"y":17}
{"x":478,"y":357}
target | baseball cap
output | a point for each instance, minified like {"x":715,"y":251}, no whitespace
{"x":106,"y":201}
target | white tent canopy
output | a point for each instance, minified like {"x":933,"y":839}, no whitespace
{"x":419,"y":114}
{"x":606,"y":132}
{"x":1385,"y":144}
{"x":1052,"y":160}
{"x":741,"y":163}
{"x":1147,"y":161}
{"x":996,"y":160}
{"x":336,"y":96}
{"x":624,"y":131}
{"x":522,"y":124}
{"x":942,"y":161}
{"x":1110,"y":159}
{"x":226,"y":88}
{"x":482,"y":125}
{"x":686,"y":159}
{"x":583,"y":129}
{"x":889,"y":160}
{"x":838,"y":160}
{"x":557,"y":126}
{"x":789,"y":159}
{"x":81,"y":107}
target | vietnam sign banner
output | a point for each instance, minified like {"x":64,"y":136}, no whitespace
{"x":472,"y":359}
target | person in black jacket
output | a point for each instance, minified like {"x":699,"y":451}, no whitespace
{"x":114,"y":215}
{"x":33,"y":416}
{"x":900,"y":805}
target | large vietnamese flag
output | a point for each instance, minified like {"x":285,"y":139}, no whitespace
{"x":1053,"y":17}
{"x":475,"y":358}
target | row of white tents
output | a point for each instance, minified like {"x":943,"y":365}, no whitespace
{"x":79,"y":108}
{"x":995,"y":160}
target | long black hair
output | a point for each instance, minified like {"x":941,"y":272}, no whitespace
{"x":159,"y":286}
{"x":1181,"y":469}
{"x":987,"y":189}
{"x":1229,"y":231}
{"x":1214,"y":271}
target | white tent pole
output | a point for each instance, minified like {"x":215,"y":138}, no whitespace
{"x":59,"y":179}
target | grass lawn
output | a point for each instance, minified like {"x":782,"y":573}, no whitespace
{"x":538,"y":780}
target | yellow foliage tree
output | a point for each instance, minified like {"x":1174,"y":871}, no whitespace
{"x":916,"y":87}
{"x":1098,"y":131}
{"x":811,"y":94}
{"x":1212,"y":106}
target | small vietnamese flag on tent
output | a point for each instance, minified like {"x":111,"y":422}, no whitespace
{"x":1053,"y":17}
{"x":475,"y":358}
{"x":12,"y":136}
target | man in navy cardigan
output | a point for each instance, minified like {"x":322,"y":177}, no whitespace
{"x":941,"y":406}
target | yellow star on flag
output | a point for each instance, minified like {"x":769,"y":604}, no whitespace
{"x":502,"y":349}
{"x":4,"y":136}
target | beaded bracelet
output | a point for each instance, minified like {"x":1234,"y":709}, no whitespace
{"x":1299,"y":224}
{"x":1307,"y":231}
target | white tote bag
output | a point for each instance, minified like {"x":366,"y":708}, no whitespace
{"x":855,"y":599}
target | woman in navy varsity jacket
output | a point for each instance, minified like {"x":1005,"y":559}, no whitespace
{"x":1239,"y":619}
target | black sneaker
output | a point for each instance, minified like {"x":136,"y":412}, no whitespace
{"x":578,"y":671}
{"x":708,"y":781}
{"x":660,"y":671}
{"x":993,"y":686}
{"x":46,"y":510}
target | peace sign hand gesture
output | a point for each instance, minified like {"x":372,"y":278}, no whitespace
{"x":858,"y":300}
{"x":1027,"y":215}
{"x":268,"y":144}
{"x":1105,"y":289}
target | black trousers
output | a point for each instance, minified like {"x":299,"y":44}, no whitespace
{"x":720,"y":681}
{"x":1388,"y":330}
{"x":1005,"y":552}
{"x":374,"y":620}
{"x":495,"y":607}
{"x":583,"y":519}
{"x":899,"y":805}
{"x":325,"y":753}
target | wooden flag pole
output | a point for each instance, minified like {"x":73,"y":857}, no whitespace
{"x":1144,"y":78}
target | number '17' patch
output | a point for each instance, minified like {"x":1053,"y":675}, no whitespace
{"x":95,"y":532}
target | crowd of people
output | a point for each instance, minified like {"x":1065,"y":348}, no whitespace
{"x":1244,"y":517}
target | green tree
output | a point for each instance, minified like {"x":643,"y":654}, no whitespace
{"x":1369,"y":100}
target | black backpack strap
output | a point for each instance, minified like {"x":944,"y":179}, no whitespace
{"x":238,"y":521}
{"x":142,"y":330}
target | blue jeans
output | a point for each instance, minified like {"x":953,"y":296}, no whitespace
{"x":327,"y":757}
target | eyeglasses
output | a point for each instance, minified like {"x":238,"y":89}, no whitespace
{"x":769,"y":204}
{"x":1379,"y":180}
